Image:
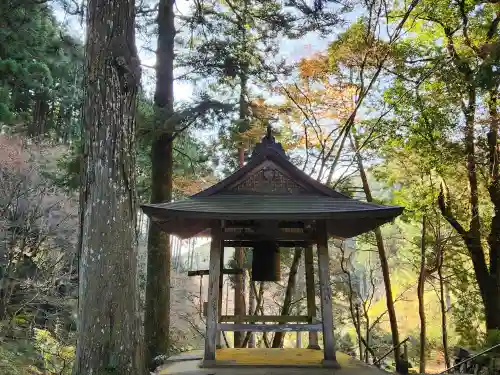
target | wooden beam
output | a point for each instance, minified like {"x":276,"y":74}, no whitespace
{"x":311,"y":295}
{"x":255,"y":224}
{"x":213,"y":294}
{"x":290,"y":327}
{"x":225,"y":271}
{"x":325,"y":289}
{"x":240,"y":243}
{"x":266,"y":318}
{"x":273,"y":235}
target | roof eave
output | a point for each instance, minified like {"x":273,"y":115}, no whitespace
{"x":164,"y":213}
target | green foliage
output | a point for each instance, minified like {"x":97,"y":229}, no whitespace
{"x":492,"y":338}
{"x":449,"y":50}
{"x":191,"y":157}
{"x":57,"y":357}
{"x":190,"y":161}
{"x":18,"y":358}
{"x":346,"y":344}
{"x":68,"y":172}
{"x":42,"y":354}
{"x":40,"y":71}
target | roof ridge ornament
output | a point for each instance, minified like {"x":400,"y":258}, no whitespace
{"x":269,"y":132}
{"x":268,"y":142}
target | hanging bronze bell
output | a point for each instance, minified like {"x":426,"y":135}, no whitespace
{"x":266,"y":264}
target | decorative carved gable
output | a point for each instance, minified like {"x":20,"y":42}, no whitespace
{"x":268,"y":180}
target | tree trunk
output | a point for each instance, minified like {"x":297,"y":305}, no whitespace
{"x":33,"y":126}
{"x":66,"y":125}
{"x":239,"y":285}
{"x":384,"y":264}
{"x":191,"y":253}
{"x":285,"y":310}
{"x":353,"y":307}
{"x":420,"y":294}
{"x":442,"y":301}
{"x":251,"y":308}
{"x":299,"y":294}
{"x":157,"y":317}
{"x":488,"y":280}
{"x":109,"y":331}
{"x":259,"y":302}
{"x":494,"y":192}
{"x":367,"y":334}
{"x":39,"y":117}
{"x":358,"y":332}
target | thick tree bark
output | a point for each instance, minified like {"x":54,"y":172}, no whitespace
{"x":109,"y":331}
{"x":420,"y":294}
{"x":384,"y":264}
{"x":157,"y":317}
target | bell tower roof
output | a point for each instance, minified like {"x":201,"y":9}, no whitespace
{"x":270,"y":187}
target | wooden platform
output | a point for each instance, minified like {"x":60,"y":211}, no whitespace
{"x":265,"y":362}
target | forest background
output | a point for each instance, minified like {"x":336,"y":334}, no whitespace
{"x":392,"y":102}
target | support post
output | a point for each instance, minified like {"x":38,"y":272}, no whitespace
{"x":311,"y":295}
{"x":329,"y":356}
{"x":221,"y":284}
{"x":213,"y":295}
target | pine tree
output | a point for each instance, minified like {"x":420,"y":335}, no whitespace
{"x":40,"y":72}
{"x":228,"y":42}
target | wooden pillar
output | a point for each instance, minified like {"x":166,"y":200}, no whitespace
{"x":329,"y":356}
{"x":213,"y":295}
{"x":221,"y":284}
{"x":311,"y":295}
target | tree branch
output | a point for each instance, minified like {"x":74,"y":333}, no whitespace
{"x":493,"y":27}
{"x":465,"y":23}
{"x":444,"y":207}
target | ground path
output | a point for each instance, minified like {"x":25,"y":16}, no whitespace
{"x":256,"y":361}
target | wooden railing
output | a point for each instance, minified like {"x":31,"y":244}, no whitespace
{"x":265,"y":319}
{"x":468,"y":359}
{"x":289,"y":327}
{"x":379,"y":361}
